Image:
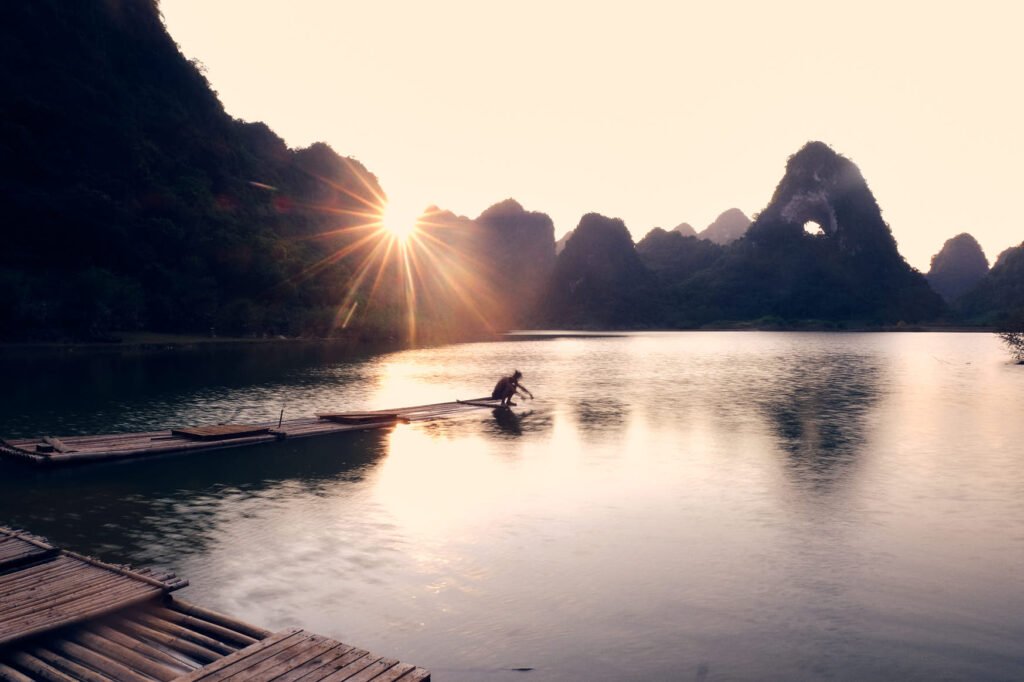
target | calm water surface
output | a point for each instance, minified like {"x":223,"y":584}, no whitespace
{"x":705,"y":506}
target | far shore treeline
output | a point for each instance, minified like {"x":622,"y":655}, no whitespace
{"x":133,"y":201}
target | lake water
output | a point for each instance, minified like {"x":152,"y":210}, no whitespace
{"x":672,"y":506}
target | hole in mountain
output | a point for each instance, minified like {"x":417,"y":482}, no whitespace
{"x":813,"y":228}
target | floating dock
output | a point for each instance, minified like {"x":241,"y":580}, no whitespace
{"x":65,"y":617}
{"x":51,"y":450}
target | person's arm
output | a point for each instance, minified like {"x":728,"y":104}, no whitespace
{"x":524,"y":388}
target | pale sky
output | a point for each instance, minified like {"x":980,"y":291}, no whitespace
{"x":654,"y":112}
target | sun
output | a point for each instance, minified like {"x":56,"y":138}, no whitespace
{"x":400,"y":221}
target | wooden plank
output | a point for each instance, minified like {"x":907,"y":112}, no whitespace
{"x":364,"y":417}
{"x":417,"y":675}
{"x":220,"y":431}
{"x":395,"y":673}
{"x":372,"y":671}
{"x":332,"y":650}
{"x":255,"y":649}
{"x":347,"y":671}
{"x":56,"y":443}
{"x":284,"y":660}
{"x":338,"y":663}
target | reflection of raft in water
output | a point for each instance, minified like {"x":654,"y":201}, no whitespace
{"x":73,"y":449}
{"x":69,"y":617}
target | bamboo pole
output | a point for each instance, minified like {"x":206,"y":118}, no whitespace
{"x":184,"y":633}
{"x":123,"y":570}
{"x":122,"y":654}
{"x":194,"y":650}
{"x":44,"y":670}
{"x":190,"y":609}
{"x":9,"y":674}
{"x":79,"y":671}
{"x":137,"y":645}
{"x":118,"y":671}
{"x":224,"y":634}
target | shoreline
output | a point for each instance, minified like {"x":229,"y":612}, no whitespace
{"x":154,"y":341}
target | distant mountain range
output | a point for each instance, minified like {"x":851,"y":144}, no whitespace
{"x":134,"y":201}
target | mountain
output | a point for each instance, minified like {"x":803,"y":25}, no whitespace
{"x":685,"y":229}
{"x":133,"y":200}
{"x":598,"y":280}
{"x":1006,"y":253}
{"x":520,"y":248}
{"x":851,"y":271}
{"x":562,"y":241}
{"x":468,"y":276}
{"x":957,"y":267}
{"x":673,"y":256}
{"x":999,"y":296}
{"x":726,"y":228}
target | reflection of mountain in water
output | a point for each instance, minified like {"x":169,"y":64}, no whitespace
{"x":160,"y":510}
{"x":599,"y":415}
{"x":817,"y":408}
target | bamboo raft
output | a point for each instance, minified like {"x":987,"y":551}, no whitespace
{"x":50,"y":450}
{"x":65,"y":617}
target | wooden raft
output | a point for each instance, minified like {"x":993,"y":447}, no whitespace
{"x":159,"y":639}
{"x":75,"y":449}
{"x":63,"y":588}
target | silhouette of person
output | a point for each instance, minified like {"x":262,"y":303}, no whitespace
{"x":507,"y":387}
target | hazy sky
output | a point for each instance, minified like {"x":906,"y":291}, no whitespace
{"x":653,"y":112}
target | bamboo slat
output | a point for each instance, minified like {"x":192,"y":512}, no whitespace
{"x":50,"y":621}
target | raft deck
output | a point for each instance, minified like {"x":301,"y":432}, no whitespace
{"x":50,"y":450}
{"x":66,"y":617}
